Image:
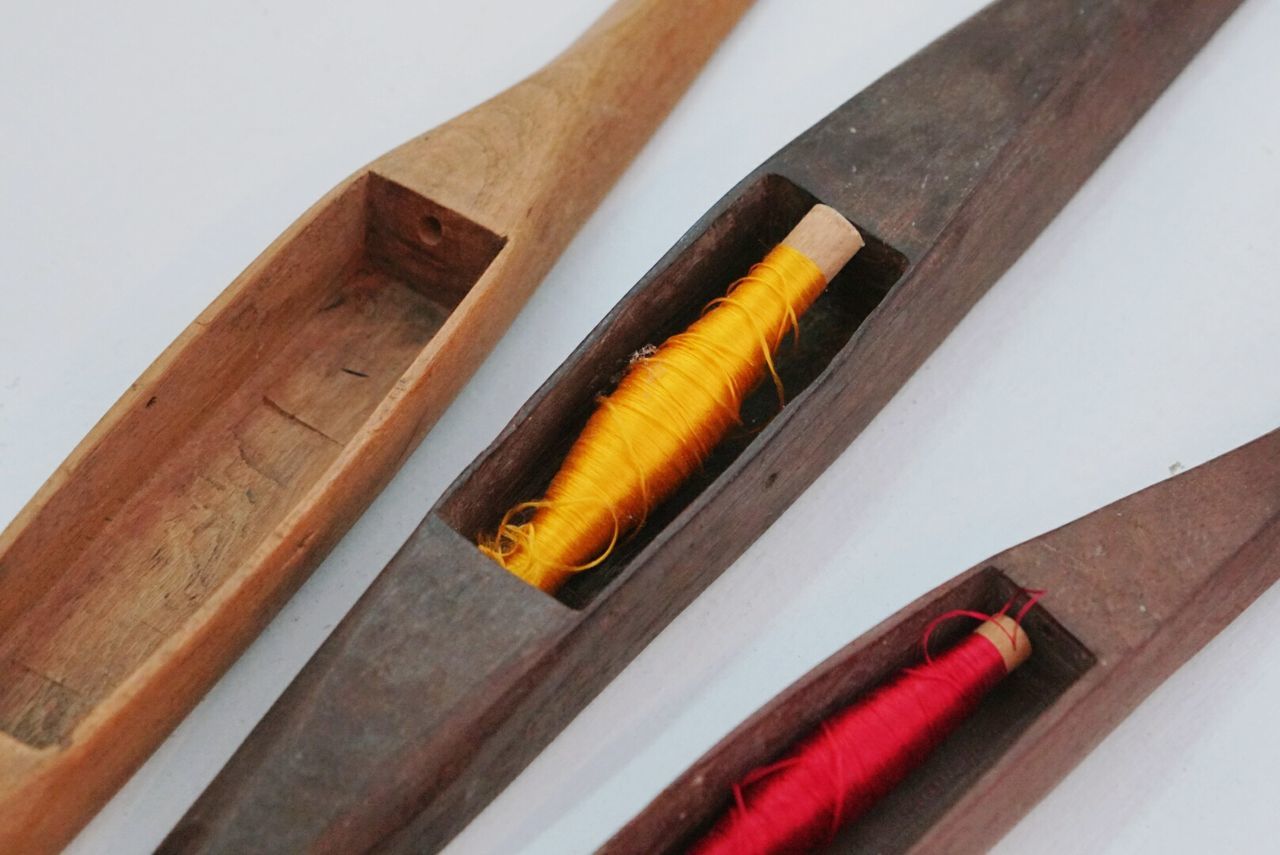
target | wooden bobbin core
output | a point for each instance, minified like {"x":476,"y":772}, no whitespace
{"x":828,"y":239}
{"x":1008,"y":637}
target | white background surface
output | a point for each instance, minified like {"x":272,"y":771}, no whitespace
{"x":149,"y":150}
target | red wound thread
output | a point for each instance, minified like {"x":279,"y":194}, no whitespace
{"x":856,"y":756}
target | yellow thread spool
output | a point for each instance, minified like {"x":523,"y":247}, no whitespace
{"x":670,"y":410}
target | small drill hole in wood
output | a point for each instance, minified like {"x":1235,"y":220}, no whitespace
{"x":430,"y":232}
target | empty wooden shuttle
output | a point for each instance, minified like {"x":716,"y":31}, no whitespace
{"x":228,"y":470}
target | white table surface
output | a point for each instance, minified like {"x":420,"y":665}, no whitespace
{"x":149,"y":150}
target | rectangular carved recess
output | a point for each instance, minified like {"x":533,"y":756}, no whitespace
{"x":189,"y":484}
{"x":1058,"y":660}
{"x":522,"y":466}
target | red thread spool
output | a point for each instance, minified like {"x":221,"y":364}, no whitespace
{"x":862,"y":752}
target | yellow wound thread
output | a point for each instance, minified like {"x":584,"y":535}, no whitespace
{"x":670,"y":410}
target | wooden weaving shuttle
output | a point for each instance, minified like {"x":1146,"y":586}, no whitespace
{"x":1133,"y":591}
{"x":229,"y":469}
{"x":450,"y":674}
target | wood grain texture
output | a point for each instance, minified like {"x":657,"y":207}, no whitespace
{"x":959,"y":159}
{"x":1134,"y":590}
{"x":172,"y":533}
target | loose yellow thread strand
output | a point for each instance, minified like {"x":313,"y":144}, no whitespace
{"x":670,"y":410}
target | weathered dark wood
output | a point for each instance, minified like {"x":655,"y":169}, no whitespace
{"x":1134,"y":590}
{"x":959,"y":159}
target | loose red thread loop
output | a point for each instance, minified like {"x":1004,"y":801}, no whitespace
{"x":1033,"y":597}
{"x":861,"y":753}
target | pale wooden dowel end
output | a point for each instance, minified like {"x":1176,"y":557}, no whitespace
{"x":827,"y":238}
{"x":1008,"y":637}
